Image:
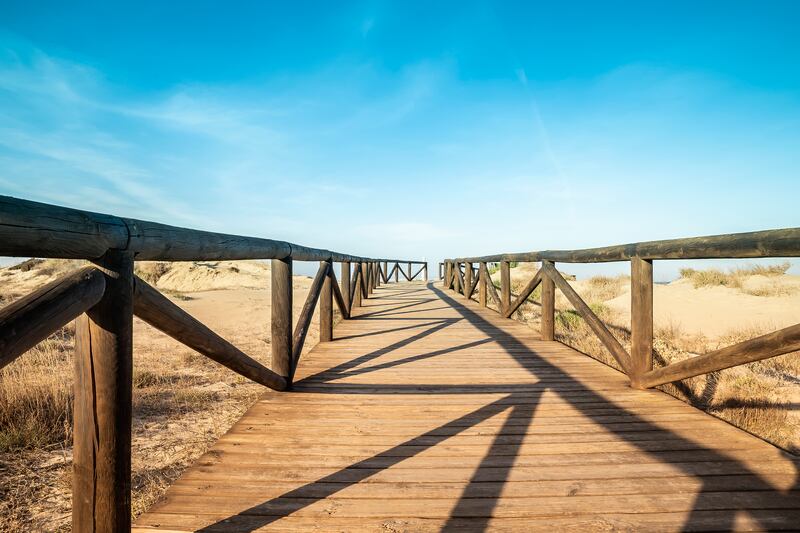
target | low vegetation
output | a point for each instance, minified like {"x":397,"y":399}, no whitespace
{"x":756,"y":397}
{"x":183,"y":402}
{"x":737,"y":278}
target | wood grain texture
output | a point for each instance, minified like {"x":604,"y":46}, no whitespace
{"x":768,"y":243}
{"x":641,"y":318}
{"x":548,"y":324}
{"x":42,"y":230}
{"x":31,"y":319}
{"x":281,"y":319}
{"x":431,"y":413}
{"x":505,"y":285}
{"x":779,"y":342}
{"x":103,"y":363}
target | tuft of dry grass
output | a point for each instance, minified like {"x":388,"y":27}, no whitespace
{"x":736,"y":278}
{"x":35,"y":397}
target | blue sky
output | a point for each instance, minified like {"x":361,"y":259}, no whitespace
{"x":403,"y":129}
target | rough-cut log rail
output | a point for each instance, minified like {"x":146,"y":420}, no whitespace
{"x":31,"y":319}
{"x":768,"y":243}
{"x":431,"y":413}
{"x":158,"y":311}
{"x":42,"y":230}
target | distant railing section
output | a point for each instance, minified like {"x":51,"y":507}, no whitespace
{"x":105,"y":297}
{"x":461,"y":275}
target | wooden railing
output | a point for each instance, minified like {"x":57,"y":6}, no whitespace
{"x":461,"y":275}
{"x":105,"y":297}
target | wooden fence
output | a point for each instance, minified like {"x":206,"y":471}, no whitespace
{"x":105,"y":297}
{"x":462,"y":276}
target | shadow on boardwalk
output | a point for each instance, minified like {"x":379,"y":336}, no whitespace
{"x":478,"y":500}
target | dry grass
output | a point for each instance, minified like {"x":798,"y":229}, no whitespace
{"x":752,"y":397}
{"x":182,"y":404}
{"x":737,"y":277}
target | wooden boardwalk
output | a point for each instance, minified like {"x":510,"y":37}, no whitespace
{"x":431,"y":413}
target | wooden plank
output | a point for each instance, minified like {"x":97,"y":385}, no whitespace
{"x":400,"y":418}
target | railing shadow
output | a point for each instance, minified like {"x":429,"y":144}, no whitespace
{"x":478,"y":499}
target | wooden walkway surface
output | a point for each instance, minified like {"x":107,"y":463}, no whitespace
{"x":430,"y":413}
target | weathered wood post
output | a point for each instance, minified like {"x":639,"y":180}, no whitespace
{"x":396,"y":272}
{"x":345,"y":270}
{"x":409,"y":272}
{"x":456,"y":276}
{"x":386,"y":272}
{"x":446,"y":274}
{"x":641,"y":318}
{"x":281,"y":340}
{"x":467,"y":279}
{"x":368,"y":277}
{"x":425,"y":270}
{"x":482,"y":274}
{"x":326,"y":307}
{"x":364,"y":285}
{"x":548,"y":307}
{"x":357,"y":292}
{"x":505,"y":284}
{"x":101,"y":484}
{"x":377,"y":276}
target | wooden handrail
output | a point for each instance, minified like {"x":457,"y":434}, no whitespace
{"x":104,"y":299}
{"x":33,"y":229}
{"x":768,"y":243}
{"x":639,"y":363}
{"x":31,"y":319}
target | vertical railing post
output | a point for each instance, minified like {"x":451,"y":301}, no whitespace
{"x":357,"y":292}
{"x":548,"y":307}
{"x":425,"y":270}
{"x":505,"y":285}
{"x":326,"y":307}
{"x":409,"y":271}
{"x":456,"y":277}
{"x":397,"y":272}
{"x":281,"y":340}
{"x":364,"y":286}
{"x":386,"y":271}
{"x":641,"y":318}
{"x":346,"y":283}
{"x":467,"y":278}
{"x":101,"y":482}
{"x":483,"y":272}
{"x":369,"y":278}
